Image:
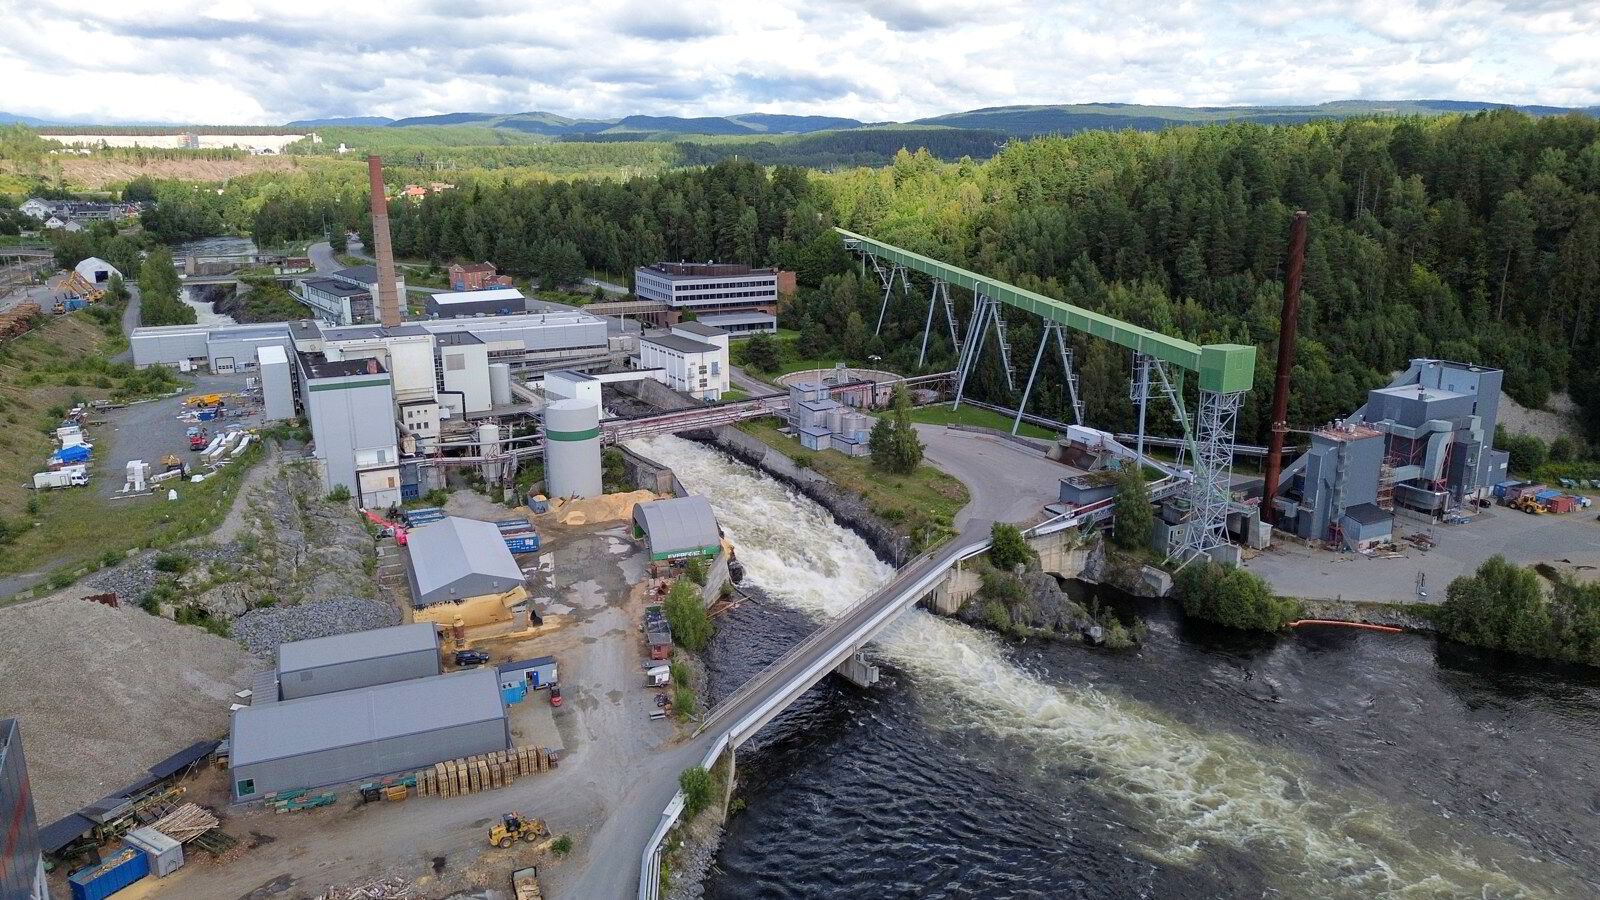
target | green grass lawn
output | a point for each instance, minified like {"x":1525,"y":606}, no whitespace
{"x":733,"y":395}
{"x":921,"y":505}
{"x":943,"y":414}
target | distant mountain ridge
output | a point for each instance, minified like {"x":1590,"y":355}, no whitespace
{"x":1014,"y":121}
{"x":340,"y":120}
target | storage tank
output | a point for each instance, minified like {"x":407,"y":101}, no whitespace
{"x":489,"y":449}
{"x":572,"y":448}
{"x":499,"y":384}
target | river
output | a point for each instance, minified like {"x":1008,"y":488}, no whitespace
{"x":1329,"y":763}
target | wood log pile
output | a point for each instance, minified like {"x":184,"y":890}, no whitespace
{"x":186,"y":823}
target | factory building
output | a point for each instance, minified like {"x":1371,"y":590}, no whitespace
{"x":565,"y":385}
{"x":344,"y":662}
{"x":461,"y":367}
{"x":693,"y":358}
{"x":1422,"y":446}
{"x":475,"y":277}
{"x":454,"y":560}
{"x":352,"y":735}
{"x":500,"y":301}
{"x":277,"y":384}
{"x":365,"y":278}
{"x":337,"y":302}
{"x":823,"y":423}
{"x":711,"y":289}
{"x":21,"y":865}
{"x":678,"y":527}
{"x":350,"y":405}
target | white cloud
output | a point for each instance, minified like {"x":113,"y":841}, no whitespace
{"x":243,"y":61}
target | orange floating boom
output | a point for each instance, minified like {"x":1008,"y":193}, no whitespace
{"x":1386,"y":628}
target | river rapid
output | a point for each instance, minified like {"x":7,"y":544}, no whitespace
{"x":1329,"y":763}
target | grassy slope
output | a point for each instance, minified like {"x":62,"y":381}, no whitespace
{"x":971,"y":415}
{"x":73,"y":528}
{"x":899,"y":499}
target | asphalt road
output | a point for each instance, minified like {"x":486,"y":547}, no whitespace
{"x":1006,"y":481}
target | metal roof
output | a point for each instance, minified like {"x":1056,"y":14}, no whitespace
{"x":453,"y":548}
{"x":525,"y":664}
{"x":445,"y":297}
{"x":698,"y":328}
{"x":678,"y":524}
{"x":366,"y":274}
{"x":348,"y":718}
{"x":752,"y":318}
{"x":1369,"y":514}
{"x":679,"y":343}
{"x":190,"y":754}
{"x":395,"y":640}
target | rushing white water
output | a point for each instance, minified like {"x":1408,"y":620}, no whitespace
{"x":1190,"y":788}
{"x":204,"y":313}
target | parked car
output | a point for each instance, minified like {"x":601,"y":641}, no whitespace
{"x":555,"y":695}
{"x":471,"y":657}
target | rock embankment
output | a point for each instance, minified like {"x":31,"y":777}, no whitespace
{"x":1412,"y":617}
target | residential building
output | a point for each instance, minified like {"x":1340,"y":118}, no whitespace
{"x":21,"y":865}
{"x":344,"y":662}
{"x":39,"y":209}
{"x":693,"y":358}
{"x":710,"y":290}
{"x":55,"y":222}
{"x":491,"y":301}
{"x":354,"y":735}
{"x":476,"y":277}
{"x":351,"y":407}
{"x":1422,"y":447}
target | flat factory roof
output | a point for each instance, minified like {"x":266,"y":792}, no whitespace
{"x":348,"y":718}
{"x":749,"y":318}
{"x":448,"y":297}
{"x":679,"y":343}
{"x":338,"y":288}
{"x":699,"y":328}
{"x":297,"y":656}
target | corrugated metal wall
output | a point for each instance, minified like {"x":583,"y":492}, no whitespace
{"x":19,"y":831}
{"x":363,"y":761}
{"x":359,"y":673}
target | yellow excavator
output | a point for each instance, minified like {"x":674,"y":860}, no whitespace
{"x":513,"y":826}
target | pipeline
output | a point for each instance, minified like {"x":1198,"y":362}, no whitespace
{"x":1389,"y":629}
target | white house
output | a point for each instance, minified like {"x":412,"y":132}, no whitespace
{"x":693,"y":359}
{"x":39,"y":209}
{"x":54,"y":222}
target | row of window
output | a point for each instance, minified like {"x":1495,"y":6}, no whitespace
{"x":714,"y":285}
{"x":729,"y":295}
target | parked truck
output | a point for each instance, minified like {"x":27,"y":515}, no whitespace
{"x":73,"y":477}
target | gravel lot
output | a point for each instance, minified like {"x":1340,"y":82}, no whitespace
{"x":151,"y":430}
{"x":262,"y":630}
{"x":105,"y":693}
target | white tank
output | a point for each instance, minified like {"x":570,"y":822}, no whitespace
{"x":572,"y":448}
{"x":489,"y":448}
{"x":499,"y":384}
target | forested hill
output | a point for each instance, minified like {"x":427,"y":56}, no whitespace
{"x":1472,"y":238}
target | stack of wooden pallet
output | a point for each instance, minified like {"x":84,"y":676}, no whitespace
{"x":482,"y":773}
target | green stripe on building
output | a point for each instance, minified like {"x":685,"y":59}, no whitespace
{"x":585,"y":435}
{"x":348,"y":385}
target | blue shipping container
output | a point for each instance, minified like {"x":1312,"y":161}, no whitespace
{"x":514,"y":693}
{"x":111,"y":875}
{"x":522,"y":543}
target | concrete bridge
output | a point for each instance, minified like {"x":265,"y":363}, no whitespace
{"x":935,"y":576}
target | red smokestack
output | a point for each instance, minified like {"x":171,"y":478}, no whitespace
{"x":1287,"y":330}
{"x":388,"y":300}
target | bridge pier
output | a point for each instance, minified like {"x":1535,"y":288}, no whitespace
{"x":858,"y":671}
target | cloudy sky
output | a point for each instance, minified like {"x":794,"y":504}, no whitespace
{"x":246,"y":62}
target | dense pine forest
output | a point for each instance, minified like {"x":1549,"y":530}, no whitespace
{"x":1472,"y":238}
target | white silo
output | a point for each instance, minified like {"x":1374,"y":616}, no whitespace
{"x":489,"y":449}
{"x":499,"y":384}
{"x":572,"y":448}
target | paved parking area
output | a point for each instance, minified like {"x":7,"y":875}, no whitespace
{"x":152,"y":429}
{"x":1298,"y":571}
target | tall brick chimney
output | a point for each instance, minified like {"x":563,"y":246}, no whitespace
{"x":389,"y":311}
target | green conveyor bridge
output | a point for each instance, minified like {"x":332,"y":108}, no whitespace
{"x":1225,"y":371}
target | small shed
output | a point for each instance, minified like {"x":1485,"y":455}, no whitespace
{"x":454,"y":559}
{"x":1366,"y":524}
{"x":165,"y":853}
{"x":815,"y":437}
{"x":523,"y":675}
{"x":677,"y":528}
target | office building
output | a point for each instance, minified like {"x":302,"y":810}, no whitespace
{"x":711,"y":291}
